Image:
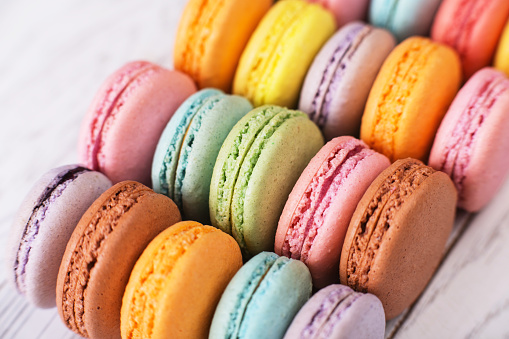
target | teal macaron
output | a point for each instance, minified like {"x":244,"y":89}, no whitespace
{"x":188,"y":147}
{"x":262,"y":298}
{"x":404,"y":18}
{"x":256,"y":169}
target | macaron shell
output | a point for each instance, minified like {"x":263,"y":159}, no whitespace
{"x":280,"y":164}
{"x":502,"y":55}
{"x":346,"y":11}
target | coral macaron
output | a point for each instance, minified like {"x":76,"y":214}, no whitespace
{"x":119,"y":134}
{"x":316,"y":216}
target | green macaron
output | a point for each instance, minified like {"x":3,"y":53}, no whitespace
{"x":187,"y":149}
{"x":257,"y":167}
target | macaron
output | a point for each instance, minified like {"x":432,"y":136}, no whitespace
{"x":337,"y":85}
{"x":211,"y":37}
{"x":101,"y":253}
{"x":398,"y":233}
{"x":472,"y":28}
{"x":273,"y":65}
{"x":188,"y":148}
{"x":404,"y":18}
{"x":345,"y":11}
{"x":407,"y":103}
{"x":316,"y":216}
{"x":262,"y":298}
{"x":120,"y":132}
{"x":471,"y":145}
{"x":502,"y":54}
{"x":339,"y":312}
{"x":43,"y":225}
{"x":177,"y":282}
{"x":256,"y":169}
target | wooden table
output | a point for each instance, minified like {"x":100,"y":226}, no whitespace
{"x":53,"y":57}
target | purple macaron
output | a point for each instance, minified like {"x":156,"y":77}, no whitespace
{"x":338,"y":83}
{"x":337,"y":312}
{"x":43,"y":225}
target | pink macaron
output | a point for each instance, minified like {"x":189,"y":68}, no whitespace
{"x":120,"y":132}
{"x":316,"y":216}
{"x":346,"y":11}
{"x":471,"y":144}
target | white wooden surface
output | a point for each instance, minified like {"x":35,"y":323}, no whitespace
{"x":53,"y":56}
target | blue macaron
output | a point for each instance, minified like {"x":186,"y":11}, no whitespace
{"x":262,"y":298}
{"x":404,"y":18}
{"x":187,"y":149}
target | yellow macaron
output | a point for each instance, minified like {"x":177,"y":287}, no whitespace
{"x":273,"y":65}
{"x":502,"y":55}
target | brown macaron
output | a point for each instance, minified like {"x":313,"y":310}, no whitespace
{"x":101,"y":253}
{"x":398,"y":233}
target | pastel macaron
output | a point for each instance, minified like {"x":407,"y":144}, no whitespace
{"x":337,"y":85}
{"x":404,"y":18}
{"x":101,"y":253}
{"x":120,"y":132}
{"x":501,"y":61}
{"x":211,"y":37}
{"x":186,"y":152}
{"x":177,"y":282}
{"x":43,"y":225}
{"x":338,"y":312}
{"x":407,"y":103}
{"x":398,"y":233}
{"x":472,"y":28}
{"x":262,"y":298}
{"x":471,"y":144}
{"x":345,"y":11}
{"x":257,"y":167}
{"x":316,"y":216}
{"x":273,"y":65}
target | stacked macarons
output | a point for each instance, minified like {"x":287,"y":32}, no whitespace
{"x":120,"y":263}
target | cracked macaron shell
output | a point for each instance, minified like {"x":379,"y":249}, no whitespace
{"x":262,"y":298}
{"x":274,"y":64}
{"x":61,"y":214}
{"x":474,"y":130}
{"x":188,"y":148}
{"x":186,"y":267}
{"x":394,"y":252}
{"x":339,"y":174}
{"x":120,"y":131}
{"x":337,"y":85}
{"x":98,"y":258}
{"x":336,"y":311}
{"x":211,"y":37}
{"x":269,"y":145}
{"x":407,"y":104}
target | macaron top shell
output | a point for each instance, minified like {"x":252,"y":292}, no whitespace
{"x":43,"y":225}
{"x":101,"y":253}
{"x":211,"y":37}
{"x":345,"y":11}
{"x":119,"y":134}
{"x":402,"y":222}
{"x":407,"y":104}
{"x":470,"y":145}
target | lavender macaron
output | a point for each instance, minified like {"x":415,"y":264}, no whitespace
{"x":337,"y":312}
{"x":43,"y":225}
{"x":338,"y":83}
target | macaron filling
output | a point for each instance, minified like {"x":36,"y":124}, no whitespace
{"x":462,"y":142}
{"x":52,"y":192}
{"x":127,"y":81}
{"x":334,"y":73}
{"x":393,"y":101}
{"x":314,"y":205}
{"x":242,"y":182}
{"x":377,"y":219}
{"x":88,"y":249}
{"x":150,"y":284}
{"x":234,"y":160}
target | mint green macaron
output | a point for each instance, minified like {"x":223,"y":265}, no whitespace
{"x":255,"y":171}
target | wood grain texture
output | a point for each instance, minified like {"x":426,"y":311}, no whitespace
{"x":53,"y":57}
